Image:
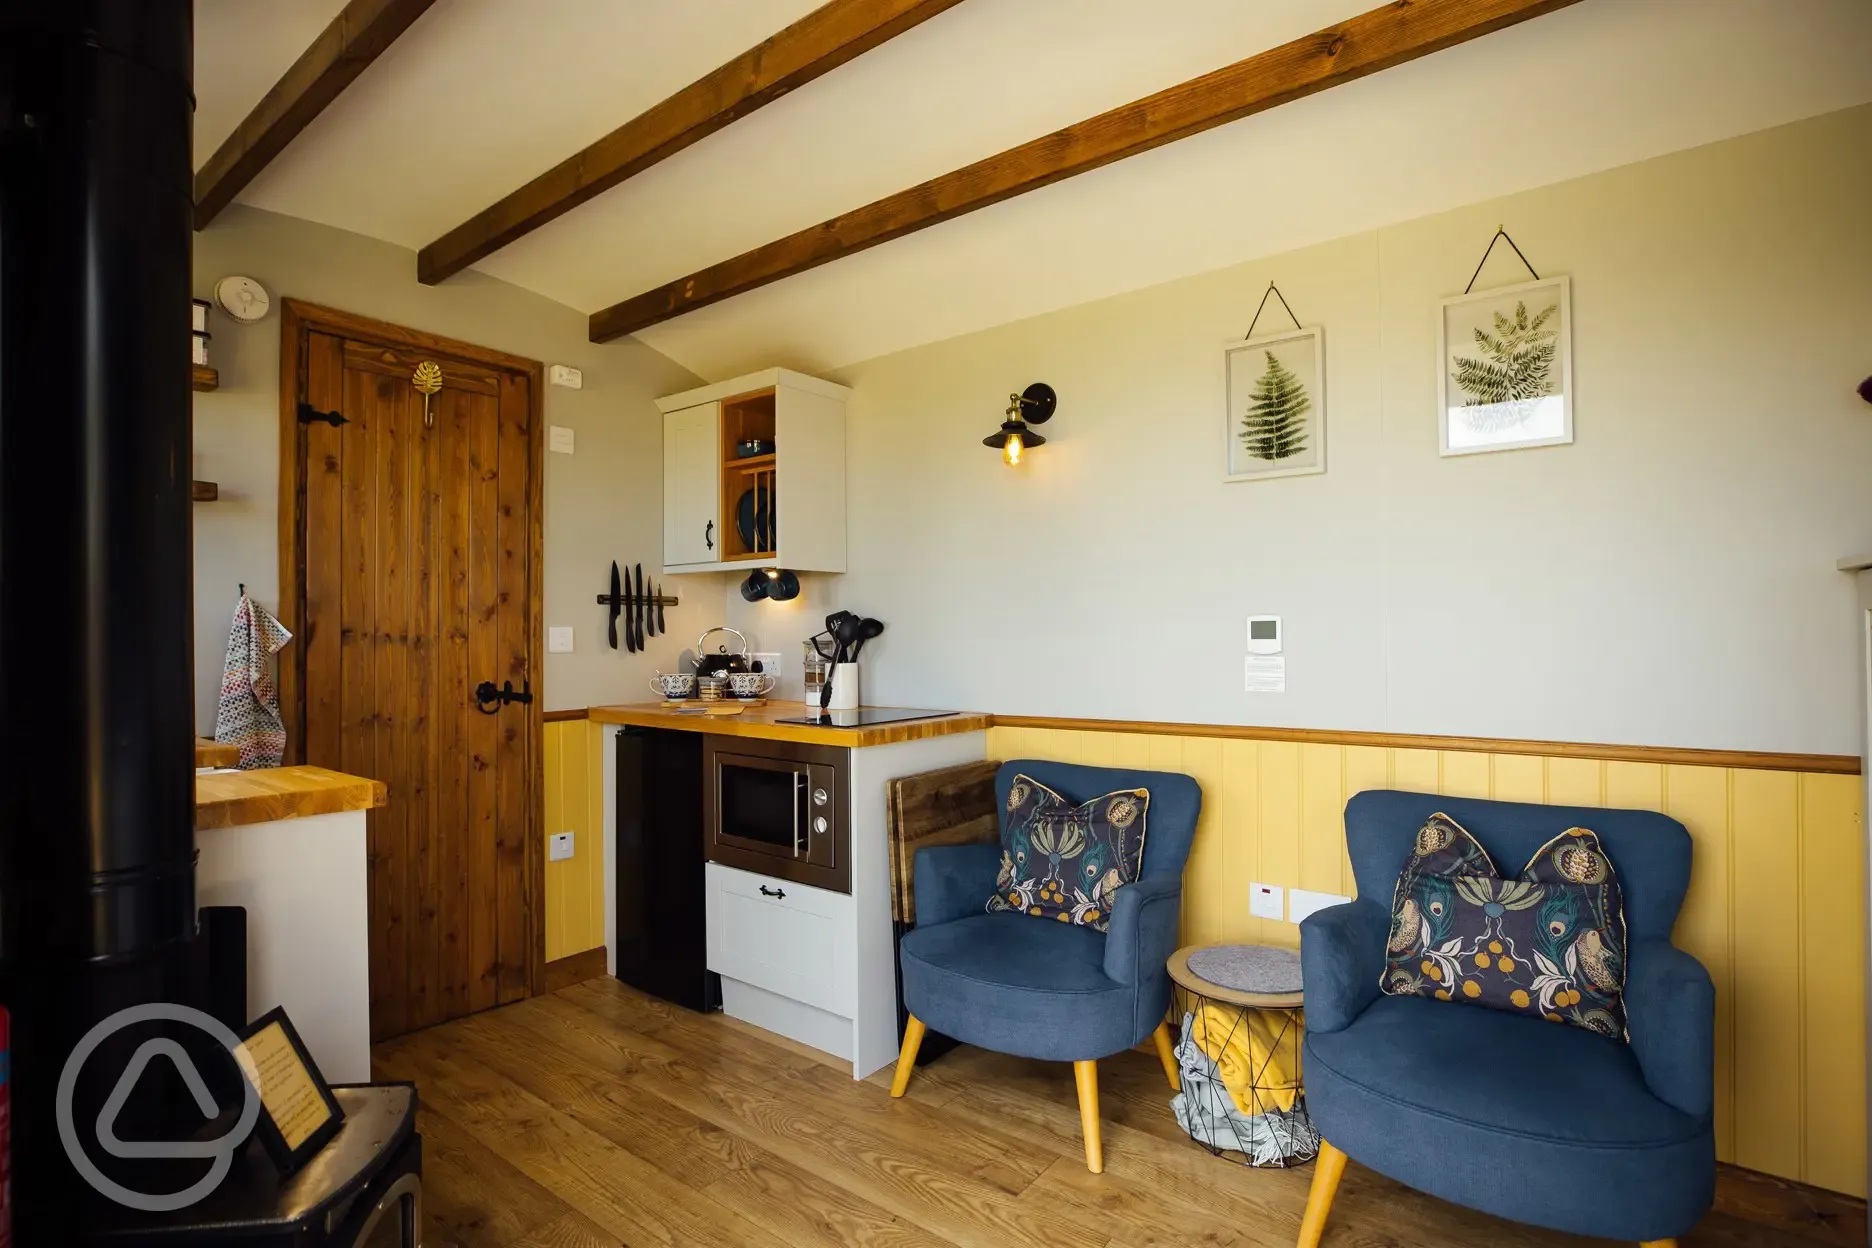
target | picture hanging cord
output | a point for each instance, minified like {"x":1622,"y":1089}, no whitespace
{"x":1275,"y":291}
{"x":1500,"y":233}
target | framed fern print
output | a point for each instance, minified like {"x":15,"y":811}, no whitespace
{"x":1505,"y":368}
{"x":1275,"y":423}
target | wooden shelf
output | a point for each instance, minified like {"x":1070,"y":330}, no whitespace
{"x":206,"y":378}
{"x":206,"y":491}
{"x":748,"y":465}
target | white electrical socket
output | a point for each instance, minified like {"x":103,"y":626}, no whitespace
{"x":559,"y":639}
{"x":1267,"y":901}
{"x":558,"y":847}
{"x":560,"y":439}
{"x":1305,"y":902}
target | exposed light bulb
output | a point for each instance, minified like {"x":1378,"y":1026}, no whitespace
{"x":773,"y":574}
{"x":1011,"y":450}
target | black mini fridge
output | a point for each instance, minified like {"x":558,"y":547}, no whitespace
{"x":662,"y":929}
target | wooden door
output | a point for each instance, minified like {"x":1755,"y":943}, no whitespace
{"x":419,"y":582}
{"x":692,"y":531}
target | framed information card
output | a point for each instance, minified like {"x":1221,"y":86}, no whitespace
{"x":298,"y":1111}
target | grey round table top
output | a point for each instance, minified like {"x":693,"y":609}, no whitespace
{"x":1252,"y":975}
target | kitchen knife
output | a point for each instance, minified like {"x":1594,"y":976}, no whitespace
{"x":642,"y":607}
{"x":656,"y":611}
{"x":616,"y":602}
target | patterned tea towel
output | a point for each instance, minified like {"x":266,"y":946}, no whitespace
{"x":249,"y":715}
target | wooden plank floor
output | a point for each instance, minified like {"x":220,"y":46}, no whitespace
{"x":598,"y":1116}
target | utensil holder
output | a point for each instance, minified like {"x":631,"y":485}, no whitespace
{"x":844,"y":688}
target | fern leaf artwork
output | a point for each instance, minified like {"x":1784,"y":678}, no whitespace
{"x":1274,"y":427}
{"x":1512,"y":370}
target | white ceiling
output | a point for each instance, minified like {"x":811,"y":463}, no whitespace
{"x":480,"y":95}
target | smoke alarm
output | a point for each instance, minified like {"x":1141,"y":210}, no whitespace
{"x":245,"y":299}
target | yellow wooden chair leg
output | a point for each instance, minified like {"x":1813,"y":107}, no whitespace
{"x":1328,"y":1168}
{"x":1085,"y":1074}
{"x":906,"y":1058}
{"x":1167,"y":1055}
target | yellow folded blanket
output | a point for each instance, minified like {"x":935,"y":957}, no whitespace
{"x":1252,"y":1053}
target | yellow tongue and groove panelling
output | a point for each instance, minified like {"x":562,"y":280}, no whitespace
{"x":574,"y":803}
{"x":1776,"y":908}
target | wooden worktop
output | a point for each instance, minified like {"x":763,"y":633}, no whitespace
{"x":762,"y":722}
{"x":215,"y":754}
{"x":232,"y":798}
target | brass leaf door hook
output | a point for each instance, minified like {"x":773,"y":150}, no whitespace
{"x":428,"y":379}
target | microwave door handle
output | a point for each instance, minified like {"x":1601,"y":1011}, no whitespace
{"x":799,"y":800}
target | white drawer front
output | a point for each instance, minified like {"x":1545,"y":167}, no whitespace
{"x":798,"y":945}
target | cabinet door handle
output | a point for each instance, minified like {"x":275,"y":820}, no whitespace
{"x":708,"y":535}
{"x":773,"y":892}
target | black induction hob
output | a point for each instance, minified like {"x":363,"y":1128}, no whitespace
{"x":865,"y":716}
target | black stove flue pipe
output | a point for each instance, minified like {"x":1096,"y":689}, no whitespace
{"x":96,"y":706}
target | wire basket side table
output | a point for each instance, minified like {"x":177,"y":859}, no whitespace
{"x":1238,"y":1013}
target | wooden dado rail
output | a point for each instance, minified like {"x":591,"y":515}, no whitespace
{"x":1748,"y":760}
{"x":1751,"y":760}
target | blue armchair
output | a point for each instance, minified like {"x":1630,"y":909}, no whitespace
{"x":1015,"y":984}
{"x":1530,"y":1120}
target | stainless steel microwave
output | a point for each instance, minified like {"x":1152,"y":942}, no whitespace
{"x":780,"y":809}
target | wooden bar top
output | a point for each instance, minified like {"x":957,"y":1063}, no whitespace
{"x":235,"y":798}
{"x":214,"y":754}
{"x":762,"y":722}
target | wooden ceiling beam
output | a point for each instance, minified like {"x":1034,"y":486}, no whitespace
{"x":1392,"y":35}
{"x":818,"y":43}
{"x":343,"y":50}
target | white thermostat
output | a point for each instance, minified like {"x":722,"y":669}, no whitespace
{"x":1264,"y":634}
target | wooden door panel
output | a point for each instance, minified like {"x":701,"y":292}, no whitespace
{"x":322,"y":466}
{"x":482,"y":543}
{"x":452,"y":507}
{"x":513,"y":648}
{"x":420,"y":565}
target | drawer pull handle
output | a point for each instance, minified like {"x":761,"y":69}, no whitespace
{"x":772,"y":892}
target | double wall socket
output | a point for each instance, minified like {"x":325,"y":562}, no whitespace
{"x":1271,"y":901}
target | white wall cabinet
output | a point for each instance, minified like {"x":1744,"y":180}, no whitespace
{"x":731,"y":503}
{"x":691,"y":462}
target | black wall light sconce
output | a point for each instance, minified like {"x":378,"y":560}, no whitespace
{"x":1032,"y":406}
{"x":773,"y":584}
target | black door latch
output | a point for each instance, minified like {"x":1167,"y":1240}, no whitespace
{"x":490,"y":699}
{"x":308,"y":414}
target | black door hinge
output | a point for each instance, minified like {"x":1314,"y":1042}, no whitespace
{"x":308,"y":414}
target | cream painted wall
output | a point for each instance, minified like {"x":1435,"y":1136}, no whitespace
{"x":1666,"y":580}
{"x":602,"y":503}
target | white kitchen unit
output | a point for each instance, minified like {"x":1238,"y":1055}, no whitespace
{"x":815,"y":963}
{"x":304,"y":880}
{"x":794,"y":516}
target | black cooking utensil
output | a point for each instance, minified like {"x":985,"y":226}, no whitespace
{"x":617,"y":602}
{"x":867,"y":629}
{"x":659,"y":610}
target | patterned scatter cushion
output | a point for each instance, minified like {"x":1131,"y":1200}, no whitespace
{"x":1550,"y":942}
{"x":1065,"y":862}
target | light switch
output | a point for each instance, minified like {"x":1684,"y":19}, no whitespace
{"x":565,"y":375}
{"x":559,"y":639}
{"x":559,"y":439}
{"x":1305,"y":901}
{"x":559,"y":847}
{"x":1267,"y":901}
